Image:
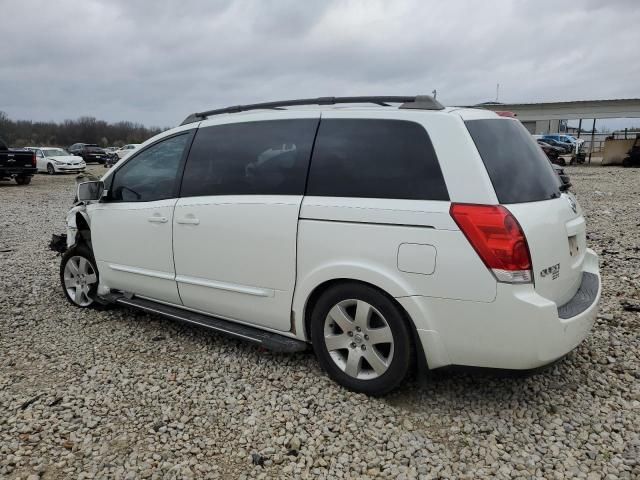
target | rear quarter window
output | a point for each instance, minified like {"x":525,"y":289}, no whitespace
{"x":371,"y":158}
{"x":518,"y":168}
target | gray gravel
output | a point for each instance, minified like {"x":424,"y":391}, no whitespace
{"x":119,"y":394}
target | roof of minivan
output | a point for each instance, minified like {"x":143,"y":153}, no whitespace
{"x":465,"y":112}
{"x":423,"y":103}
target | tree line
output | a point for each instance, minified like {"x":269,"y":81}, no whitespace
{"x":21,"y":133}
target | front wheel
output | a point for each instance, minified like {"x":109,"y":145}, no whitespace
{"x":51,"y":169}
{"x":361,"y":339}
{"x":79,"y":276}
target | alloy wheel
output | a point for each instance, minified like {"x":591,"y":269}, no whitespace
{"x":358,"y":339}
{"x":79,"y":278}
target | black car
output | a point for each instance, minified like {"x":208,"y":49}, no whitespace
{"x":90,"y":152}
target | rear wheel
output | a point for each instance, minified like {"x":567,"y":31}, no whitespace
{"x":79,"y":276}
{"x":361,"y":339}
{"x":23,"y":180}
{"x":50,"y":169}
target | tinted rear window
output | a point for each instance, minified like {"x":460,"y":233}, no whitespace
{"x":518,"y":168}
{"x":375,"y":159}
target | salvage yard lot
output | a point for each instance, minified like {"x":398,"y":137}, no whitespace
{"x":122,"y":394}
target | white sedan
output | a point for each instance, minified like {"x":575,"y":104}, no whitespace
{"x":57,"y":160}
{"x":127,"y":150}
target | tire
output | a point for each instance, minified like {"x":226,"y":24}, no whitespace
{"x":353,"y":358}
{"x":22,"y":180}
{"x":50,"y":169}
{"x":79,"y":277}
{"x":626,"y":163}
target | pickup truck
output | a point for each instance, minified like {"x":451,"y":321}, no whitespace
{"x":19,"y":164}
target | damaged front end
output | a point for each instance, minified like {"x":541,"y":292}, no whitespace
{"x":78,"y":224}
{"x":58,"y":243}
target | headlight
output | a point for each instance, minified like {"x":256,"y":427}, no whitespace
{"x":58,"y":163}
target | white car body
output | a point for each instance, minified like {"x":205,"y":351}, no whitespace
{"x":58,"y":159}
{"x":127,"y":150}
{"x":258,"y":259}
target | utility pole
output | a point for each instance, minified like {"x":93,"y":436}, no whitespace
{"x":497,"y":91}
{"x":435,"y":92}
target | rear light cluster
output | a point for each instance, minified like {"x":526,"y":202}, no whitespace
{"x":498,"y":238}
{"x":33,"y":159}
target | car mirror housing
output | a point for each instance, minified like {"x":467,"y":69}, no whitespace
{"x":90,"y":191}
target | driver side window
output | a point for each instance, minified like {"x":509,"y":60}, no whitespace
{"x":150,"y":175}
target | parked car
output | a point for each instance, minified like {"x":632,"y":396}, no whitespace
{"x":552,"y":153}
{"x":565,"y":139}
{"x":90,"y":152}
{"x":17,"y":163}
{"x":566,"y":147}
{"x":127,"y":150}
{"x":382,"y":237}
{"x":57,"y":160}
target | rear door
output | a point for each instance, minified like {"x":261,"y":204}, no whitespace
{"x":525,"y":183}
{"x":236,"y":222}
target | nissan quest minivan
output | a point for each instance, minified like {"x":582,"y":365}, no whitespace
{"x":383,"y":231}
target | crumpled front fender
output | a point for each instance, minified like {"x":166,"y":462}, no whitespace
{"x":72,"y":223}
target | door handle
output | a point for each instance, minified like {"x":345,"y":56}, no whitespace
{"x":188,"y":221}
{"x":158,"y":219}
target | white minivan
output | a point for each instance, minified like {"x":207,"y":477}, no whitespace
{"x":384,"y":231}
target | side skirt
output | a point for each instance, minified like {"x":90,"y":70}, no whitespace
{"x":268,"y":340}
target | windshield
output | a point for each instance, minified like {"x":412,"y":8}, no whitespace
{"x":518,"y":168}
{"x":55,"y":152}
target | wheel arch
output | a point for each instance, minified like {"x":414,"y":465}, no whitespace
{"x":318,"y":290}
{"x":78,"y":228}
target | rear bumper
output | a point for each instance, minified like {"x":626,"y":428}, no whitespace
{"x":17,"y":172}
{"x":519,"y":330}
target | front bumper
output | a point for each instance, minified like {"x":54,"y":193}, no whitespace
{"x":519,"y":330}
{"x":70,"y":168}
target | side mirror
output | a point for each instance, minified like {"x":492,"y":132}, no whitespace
{"x":90,"y":191}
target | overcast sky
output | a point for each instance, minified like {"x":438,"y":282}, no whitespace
{"x":156,"y":61}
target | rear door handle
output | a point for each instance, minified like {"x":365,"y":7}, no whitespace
{"x":188,"y":221}
{"x":157,"y":219}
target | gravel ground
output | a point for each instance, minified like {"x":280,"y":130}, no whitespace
{"x":119,"y":394}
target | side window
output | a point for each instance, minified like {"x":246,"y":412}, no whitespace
{"x":375,"y":159}
{"x":253,"y":158}
{"x":150,"y":175}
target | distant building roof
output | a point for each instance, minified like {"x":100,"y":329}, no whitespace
{"x":572,"y":109}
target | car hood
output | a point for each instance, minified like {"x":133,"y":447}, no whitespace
{"x":66,"y":158}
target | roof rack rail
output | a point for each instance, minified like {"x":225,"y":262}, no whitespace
{"x":421,"y":102}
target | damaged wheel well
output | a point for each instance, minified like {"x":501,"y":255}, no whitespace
{"x":83,"y":235}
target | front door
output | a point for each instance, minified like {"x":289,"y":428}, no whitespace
{"x":131,"y":229}
{"x":235,"y":225}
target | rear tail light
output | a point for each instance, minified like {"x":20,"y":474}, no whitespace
{"x":498,"y":239}
{"x":33,"y":159}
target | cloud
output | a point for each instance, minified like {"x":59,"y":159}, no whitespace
{"x":157,"y":61}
